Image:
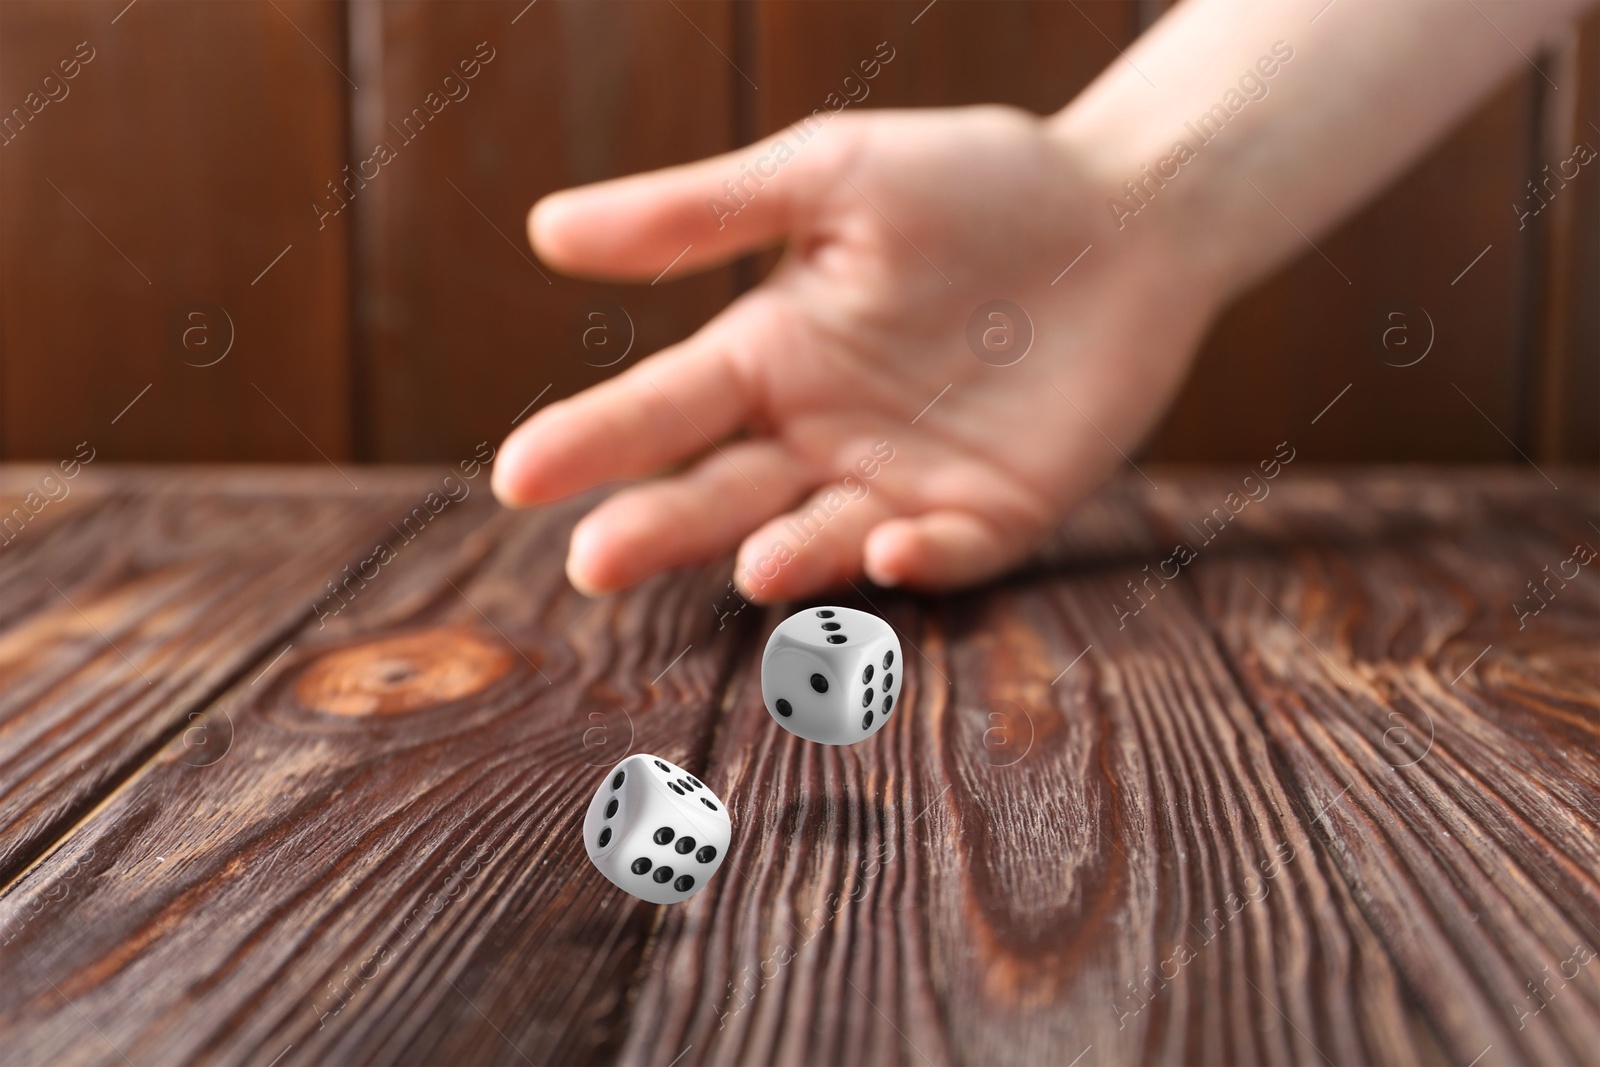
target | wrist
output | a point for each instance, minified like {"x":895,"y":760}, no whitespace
{"x":1158,"y":225}
{"x":1170,"y":168}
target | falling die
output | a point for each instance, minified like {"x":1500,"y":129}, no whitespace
{"x":655,"y":830}
{"x":829,"y":674}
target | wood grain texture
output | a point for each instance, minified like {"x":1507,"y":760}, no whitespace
{"x":35,"y":498}
{"x":155,"y":190}
{"x":1322,"y":795}
{"x":1037,"y":864}
{"x":472,"y":805}
{"x":1483,"y":857}
{"x":121,"y":620}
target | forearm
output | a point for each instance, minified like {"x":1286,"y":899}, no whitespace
{"x":1228,"y":109}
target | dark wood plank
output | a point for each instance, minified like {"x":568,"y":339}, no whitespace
{"x":154,"y":190}
{"x":1283,"y":351}
{"x":1450,"y":744}
{"x":1567,"y":382}
{"x":1138,"y":856}
{"x":38,"y":498}
{"x":1032,"y":54}
{"x":1003,"y":874}
{"x":106,"y":255}
{"x":452,"y":708}
{"x":125,"y":620}
{"x":457,"y":322}
{"x":1208,"y":830}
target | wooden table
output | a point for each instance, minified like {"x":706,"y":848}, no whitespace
{"x":1327,"y":796}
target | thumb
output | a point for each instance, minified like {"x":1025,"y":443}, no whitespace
{"x":696,"y":215}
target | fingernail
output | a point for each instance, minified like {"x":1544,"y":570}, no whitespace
{"x":579,"y":549}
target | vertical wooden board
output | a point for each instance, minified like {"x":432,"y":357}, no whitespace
{"x":1566,"y":404}
{"x":1283,"y":351}
{"x":1395,"y":276}
{"x":1450,"y":751}
{"x":1061,"y":809}
{"x":1033,"y":54}
{"x":139,"y":214}
{"x":1030,"y":54}
{"x":387,"y":865}
{"x":460,"y":327}
{"x":120,"y":626}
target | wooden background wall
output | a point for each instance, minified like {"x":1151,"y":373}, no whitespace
{"x":158,"y":213}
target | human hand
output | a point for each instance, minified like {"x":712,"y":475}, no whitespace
{"x":898,"y":226}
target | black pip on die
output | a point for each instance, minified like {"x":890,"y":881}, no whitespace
{"x":656,"y":830}
{"x":831,"y":675}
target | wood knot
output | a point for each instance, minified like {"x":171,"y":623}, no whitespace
{"x":403,"y":673}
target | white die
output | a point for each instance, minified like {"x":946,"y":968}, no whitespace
{"x":831,"y":675}
{"x":656,"y":830}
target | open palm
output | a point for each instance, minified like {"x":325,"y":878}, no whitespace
{"x":845,"y":418}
